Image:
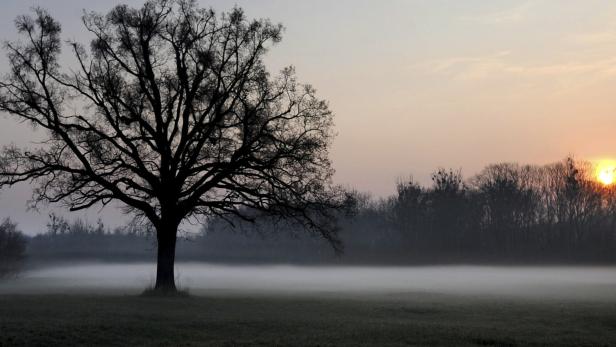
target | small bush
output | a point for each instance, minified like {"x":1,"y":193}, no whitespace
{"x":12,"y":248}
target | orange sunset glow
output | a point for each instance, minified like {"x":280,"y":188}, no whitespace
{"x":606,"y":172}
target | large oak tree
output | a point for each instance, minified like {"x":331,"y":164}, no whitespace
{"x":171,"y":111}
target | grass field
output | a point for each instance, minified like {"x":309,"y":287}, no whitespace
{"x":405,"y":319}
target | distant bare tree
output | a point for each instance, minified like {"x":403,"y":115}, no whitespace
{"x":447,"y":206}
{"x":409,"y":207}
{"x":12,"y":247}
{"x":172,"y":112}
{"x":508,"y":201}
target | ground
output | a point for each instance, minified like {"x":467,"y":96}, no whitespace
{"x":403,"y":319}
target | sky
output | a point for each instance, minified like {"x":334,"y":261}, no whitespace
{"x":417,"y":85}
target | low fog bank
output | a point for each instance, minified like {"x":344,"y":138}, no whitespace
{"x":579,"y":283}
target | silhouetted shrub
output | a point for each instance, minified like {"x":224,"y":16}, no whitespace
{"x":12,"y":248}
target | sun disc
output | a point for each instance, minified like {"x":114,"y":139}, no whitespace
{"x":606,"y":177}
{"x":606,"y":172}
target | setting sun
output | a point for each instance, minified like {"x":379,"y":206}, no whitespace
{"x":606,"y":172}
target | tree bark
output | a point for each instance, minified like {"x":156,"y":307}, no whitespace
{"x":165,"y":274}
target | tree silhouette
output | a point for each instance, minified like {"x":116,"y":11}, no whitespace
{"x":12,"y":247}
{"x":172,"y":112}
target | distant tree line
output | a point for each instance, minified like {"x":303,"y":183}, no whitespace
{"x":507,"y":213}
{"x":64,"y":239}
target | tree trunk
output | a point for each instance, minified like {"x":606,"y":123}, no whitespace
{"x":165,"y":274}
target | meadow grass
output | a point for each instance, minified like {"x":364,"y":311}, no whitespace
{"x":411,"y":319}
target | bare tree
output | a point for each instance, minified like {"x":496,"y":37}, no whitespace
{"x":12,"y":248}
{"x":172,"y":112}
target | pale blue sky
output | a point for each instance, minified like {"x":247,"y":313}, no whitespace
{"x":421,"y":84}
